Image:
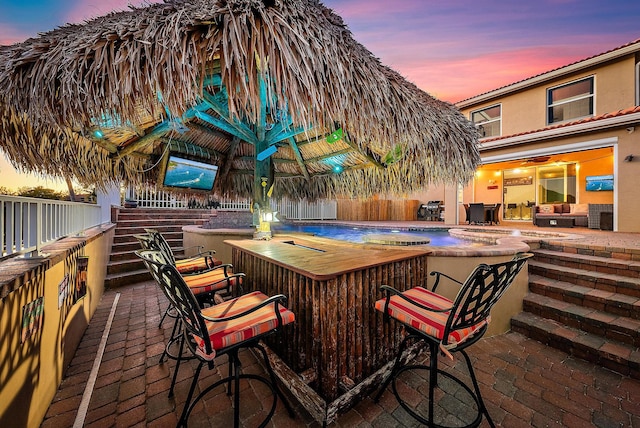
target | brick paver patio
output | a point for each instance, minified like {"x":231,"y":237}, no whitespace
{"x":524,"y":382}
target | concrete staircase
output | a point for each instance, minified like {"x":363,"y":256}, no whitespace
{"x":124,"y":267}
{"x":586,"y":302}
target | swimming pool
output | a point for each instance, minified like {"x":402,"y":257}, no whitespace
{"x":439,"y":237}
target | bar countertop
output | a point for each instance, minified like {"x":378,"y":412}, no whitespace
{"x":321,"y":259}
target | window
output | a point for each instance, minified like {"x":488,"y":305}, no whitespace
{"x":488,"y":121}
{"x":638,"y":83}
{"x":571,"y":101}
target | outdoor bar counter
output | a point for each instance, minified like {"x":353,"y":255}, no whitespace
{"x":338,"y":344}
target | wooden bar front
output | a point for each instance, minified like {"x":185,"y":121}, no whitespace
{"x":338,"y":338}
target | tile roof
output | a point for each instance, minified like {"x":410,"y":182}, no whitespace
{"x":550,"y":71}
{"x":618,"y":113}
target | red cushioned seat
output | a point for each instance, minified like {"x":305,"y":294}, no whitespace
{"x":228,"y":333}
{"x":431,"y":323}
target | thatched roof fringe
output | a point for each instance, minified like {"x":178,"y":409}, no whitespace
{"x":149,"y":64}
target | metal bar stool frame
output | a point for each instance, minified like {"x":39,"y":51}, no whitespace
{"x":465,"y":319}
{"x":197,"y":327}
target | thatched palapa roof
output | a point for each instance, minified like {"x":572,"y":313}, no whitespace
{"x":107,"y":99}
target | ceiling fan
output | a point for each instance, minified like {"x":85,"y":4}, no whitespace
{"x":537,"y":159}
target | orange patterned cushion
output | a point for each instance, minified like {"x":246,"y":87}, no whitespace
{"x":213,"y":280}
{"x":225,"y":334}
{"x":196,"y":264}
{"x":431,"y":323}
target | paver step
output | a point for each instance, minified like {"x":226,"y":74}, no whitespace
{"x":597,"y":280}
{"x":609,"y":325}
{"x":119,"y":279}
{"x":600,"y":264}
{"x":576,"y":247}
{"x":614,"y":355}
{"x":175,"y":227}
{"x":155,"y":223}
{"x":169,"y":236}
{"x":122,"y":266}
{"x":129,"y":246}
{"x":614,"y":303}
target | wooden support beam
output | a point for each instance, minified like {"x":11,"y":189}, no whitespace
{"x":231,"y":154}
{"x":284,"y":134}
{"x":299,"y":159}
{"x":207,"y":130}
{"x":218,"y":104}
{"x":140,"y":143}
{"x":227,"y":127}
{"x":365,"y":153}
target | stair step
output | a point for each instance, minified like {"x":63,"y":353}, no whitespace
{"x":591,"y":263}
{"x":614,"y":355}
{"x":169,"y":236}
{"x":614,"y":303}
{"x":119,"y":279}
{"x":597,"y":280}
{"x":175,"y":227}
{"x":123,"y":266}
{"x":576,"y":247}
{"x":609,"y":325}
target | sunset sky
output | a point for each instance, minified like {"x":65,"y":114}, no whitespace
{"x":452,"y":49}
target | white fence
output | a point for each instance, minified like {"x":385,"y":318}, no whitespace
{"x":303,"y":210}
{"x":149,"y":197}
{"x":30,"y":223}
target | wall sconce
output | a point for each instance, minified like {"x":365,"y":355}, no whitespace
{"x":629,"y":158}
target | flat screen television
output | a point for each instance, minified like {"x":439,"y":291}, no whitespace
{"x":597,"y":183}
{"x":188,"y":174}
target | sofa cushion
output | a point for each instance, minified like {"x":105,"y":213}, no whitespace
{"x":546,"y":209}
{"x":579,"y":209}
{"x":566,"y":208}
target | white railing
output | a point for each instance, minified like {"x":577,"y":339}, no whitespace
{"x":149,"y":197}
{"x":30,"y":223}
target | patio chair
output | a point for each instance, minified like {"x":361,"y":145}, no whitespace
{"x":476,"y":213}
{"x":223,"y":329}
{"x":447,"y":326}
{"x":205,"y":287}
{"x":203,"y":260}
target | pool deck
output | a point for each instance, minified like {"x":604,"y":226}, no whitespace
{"x":524,"y":382}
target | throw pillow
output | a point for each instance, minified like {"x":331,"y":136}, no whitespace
{"x":546,"y":209}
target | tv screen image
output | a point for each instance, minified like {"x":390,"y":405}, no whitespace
{"x":597,"y":183}
{"x":188,"y":174}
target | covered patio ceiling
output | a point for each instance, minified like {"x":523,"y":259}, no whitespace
{"x":276,"y":89}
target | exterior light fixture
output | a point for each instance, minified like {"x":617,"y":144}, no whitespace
{"x":337,"y":169}
{"x":98,"y":133}
{"x":629,"y":158}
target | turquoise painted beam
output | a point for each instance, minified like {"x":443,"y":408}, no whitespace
{"x":227,"y":127}
{"x":285,"y":134}
{"x":218,"y":104}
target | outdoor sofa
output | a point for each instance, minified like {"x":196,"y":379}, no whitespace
{"x":561,"y":215}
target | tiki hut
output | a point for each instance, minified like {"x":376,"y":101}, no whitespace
{"x":273,"y":92}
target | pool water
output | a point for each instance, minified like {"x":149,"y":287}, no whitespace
{"x":439,"y":237}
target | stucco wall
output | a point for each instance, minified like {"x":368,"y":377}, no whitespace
{"x":30,"y":372}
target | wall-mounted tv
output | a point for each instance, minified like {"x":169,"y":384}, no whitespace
{"x":596,"y":183}
{"x":188,"y":174}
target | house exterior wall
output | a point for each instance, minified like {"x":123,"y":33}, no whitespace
{"x":525,"y":133}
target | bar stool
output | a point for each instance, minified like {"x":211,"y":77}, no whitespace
{"x":447,"y":326}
